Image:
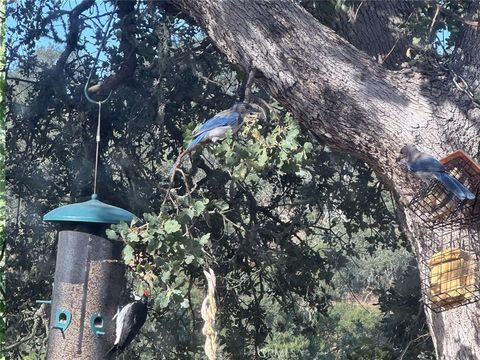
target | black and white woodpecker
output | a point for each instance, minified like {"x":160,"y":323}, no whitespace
{"x":130,"y":319}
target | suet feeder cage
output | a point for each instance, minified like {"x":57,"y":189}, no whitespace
{"x":89,"y":279}
{"x":450,"y":266}
{"x":437,"y":207}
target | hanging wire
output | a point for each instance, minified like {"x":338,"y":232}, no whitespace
{"x":97,"y":138}
{"x":99,"y":102}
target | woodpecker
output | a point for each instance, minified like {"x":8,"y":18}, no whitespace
{"x":130,"y":319}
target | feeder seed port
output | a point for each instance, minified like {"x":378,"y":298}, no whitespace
{"x":97,"y":324}
{"x":63,"y":318}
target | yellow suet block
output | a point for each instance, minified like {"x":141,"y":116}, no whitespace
{"x":452,"y":277}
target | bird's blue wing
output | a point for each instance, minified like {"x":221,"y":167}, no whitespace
{"x":197,"y":139}
{"x":223,"y":118}
{"x":426,"y":163}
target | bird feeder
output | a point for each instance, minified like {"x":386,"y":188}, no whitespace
{"x":436,"y":206}
{"x":450,"y":260}
{"x":89,"y":279}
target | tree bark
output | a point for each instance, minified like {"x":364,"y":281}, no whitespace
{"x":381,"y":21}
{"x":354,"y":105}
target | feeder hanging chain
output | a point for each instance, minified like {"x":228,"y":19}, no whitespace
{"x":100,"y":102}
{"x":97,"y":147}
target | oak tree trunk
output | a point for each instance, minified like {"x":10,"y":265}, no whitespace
{"x":357,"y":106}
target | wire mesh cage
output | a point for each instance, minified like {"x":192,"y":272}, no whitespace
{"x":450,"y":266}
{"x":436,"y":206}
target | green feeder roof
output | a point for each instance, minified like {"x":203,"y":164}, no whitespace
{"x":91,"y":211}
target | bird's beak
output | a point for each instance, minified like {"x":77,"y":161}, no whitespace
{"x":400,"y":157}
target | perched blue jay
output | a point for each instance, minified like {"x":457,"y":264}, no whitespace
{"x":427,"y":167}
{"x":215,"y":129}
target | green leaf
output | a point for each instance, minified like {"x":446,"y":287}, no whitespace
{"x":164,"y":301}
{"x":263,"y":158}
{"x":153,"y":244}
{"x":165,"y":276}
{"x":127,"y":253}
{"x":222,"y":205}
{"x":132,"y":237}
{"x":189,"y":259}
{"x":111,"y":234}
{"x":199,"y":207}
{"x":204,"y":239}
{"x":171,"y":226}
{"x":308,"y":147}
{"x":186,"y":215}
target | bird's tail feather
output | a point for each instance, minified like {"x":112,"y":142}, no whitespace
{"x":196,"y":140}
{"x":112,"y":352}
{"x":455,"y":186}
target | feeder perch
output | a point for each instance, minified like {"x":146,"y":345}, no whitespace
{"x":89,"y":279}
{"x":436,"y":206}
{"x":43,"y":301}
{"x":97,"y":324}
{"x":63,"y":317}
{"x":450,"y":268}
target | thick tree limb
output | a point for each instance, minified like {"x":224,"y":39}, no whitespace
{"x":127,"y":45}
{"x":73,"y":32}
{"x":374,"y":27}
{"x":353,"y":104}
{"x":332,"y":88}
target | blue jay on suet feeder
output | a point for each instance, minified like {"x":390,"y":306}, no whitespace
{"x":427,"y":167}
{"x":216,"y":128}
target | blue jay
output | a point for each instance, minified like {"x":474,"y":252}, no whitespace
{"x":427,"y":167}
{"x":215,"y":129}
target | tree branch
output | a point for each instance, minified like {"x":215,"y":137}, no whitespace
{"x":73,"y":32}
{"x":128,"y":63}
{"x":467,"y":58}
{"x":332,"y":88}
{"x":368,"y":20}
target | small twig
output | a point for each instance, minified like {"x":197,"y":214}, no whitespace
{"x":391,"y":50}
{"x":206,"y":79}
{"x":179,"y":161}
{"x":434,"y":20}
{"x":354,"y":17}
{"x":12,"y":78}
{"x":396,"y":42}
{"x":409,"y":343}
{"x":248,"y":86}
{"x":38,"y":318}
{"x":450,"y":13}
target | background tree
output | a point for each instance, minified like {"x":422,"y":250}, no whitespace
{"x":2,"y":179}
{"x":303,"y":239}
{"x":357,"y":106}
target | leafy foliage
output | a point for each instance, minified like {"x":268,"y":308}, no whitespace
{"x":294,"y":231}
{"x":2,"y":179}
